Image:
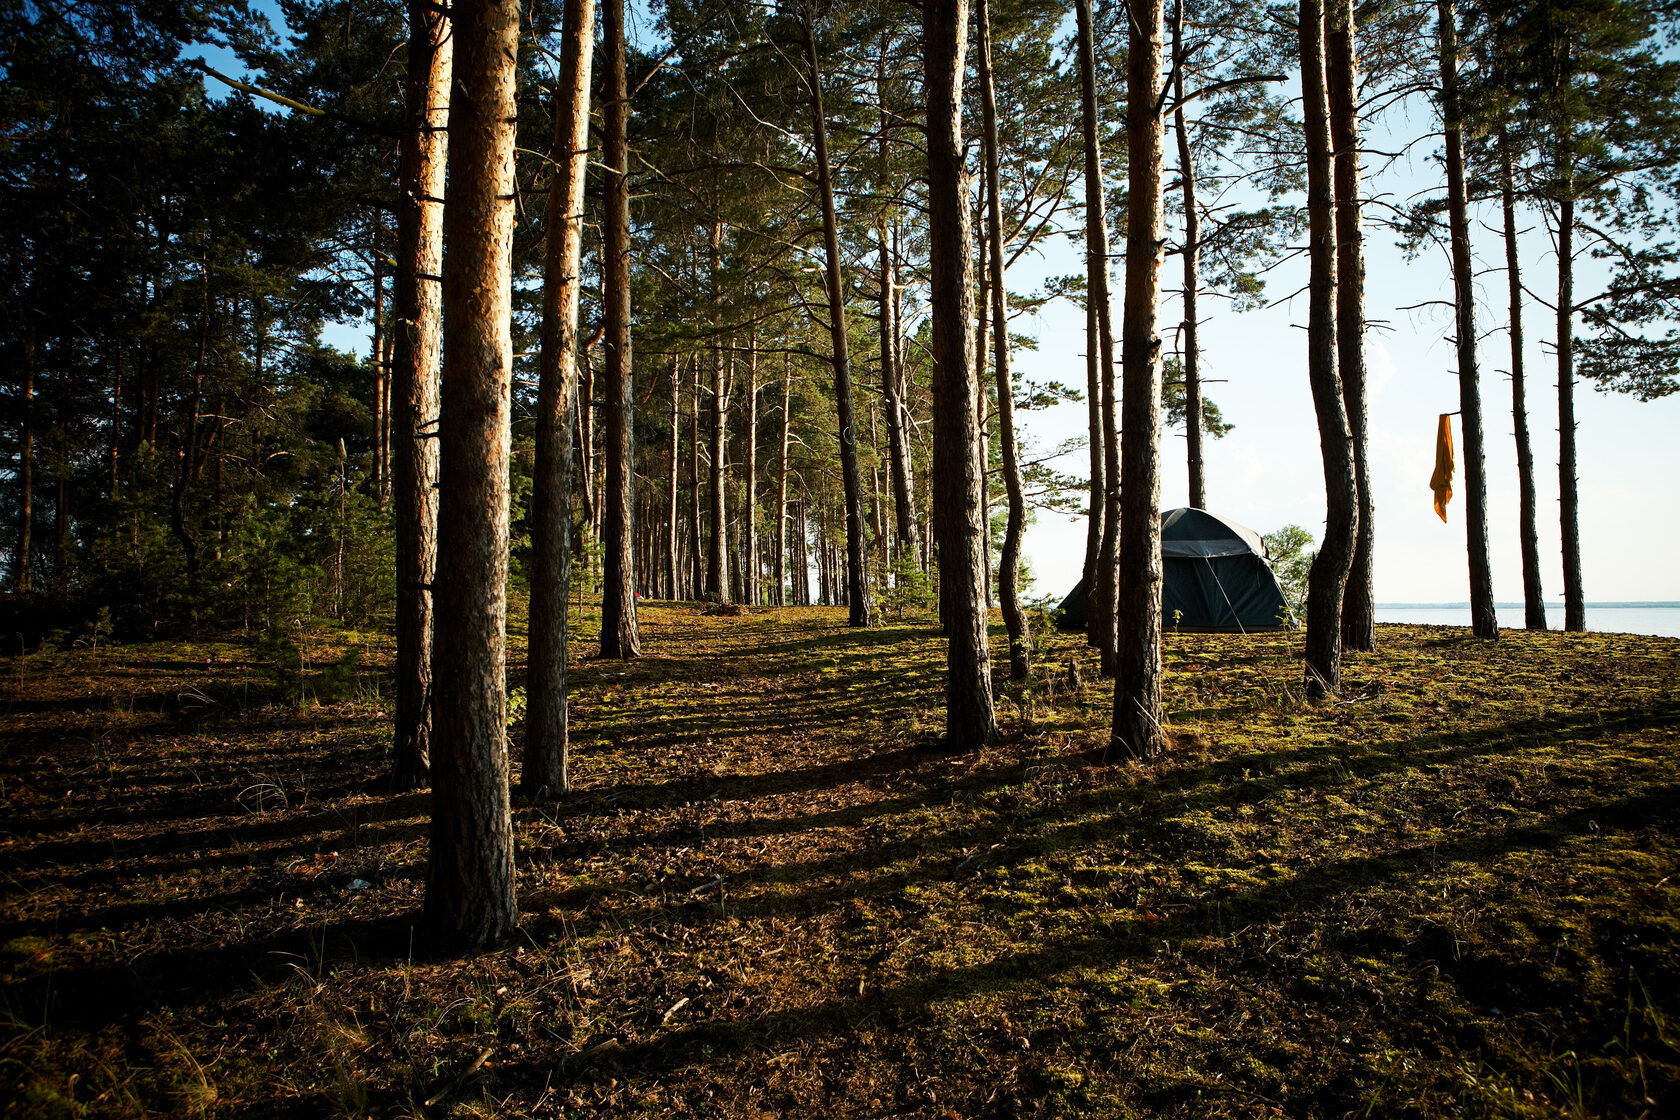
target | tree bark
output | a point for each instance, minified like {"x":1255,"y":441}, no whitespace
{"x":1534,"y":605}
{"x":619,"y":636}
{"x":1483,"y":623}
{"x":781,"y":483}
{"x":469,"y":889}
{"x":1327,"y":581}
{"x":671,"y":517}
{"x":1342,"y":79}
{"x":749,"y":514}
{"x":418,"y":313}
{"x":969,"y":717}
{"x":857,"y":584}
{"x":1137,"y":728}
{"x":892,"y":395}
{"x":23,"y":579}
{"x":696,"y":553}
{"x":1569,"y":501}
{"x":717,"y":583}
{"x":1101,"y":609}
{"x":1009,"y":565}
{"x":546,"y":764}
{"x":379,"y":419}
{"x":1190,"y":258}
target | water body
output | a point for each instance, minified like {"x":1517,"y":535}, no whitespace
{"x":1661,"y":619}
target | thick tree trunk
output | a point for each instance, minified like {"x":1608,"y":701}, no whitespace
{"x":969,"y":717}
{"x":619,"y":636}
{"x":1101,"y":603}
{"x":546,"y":765}
{"x":1483,"y":623}
{"x":857,"y":584}
{"x":1190,"y":258}
{"x":1137,"y":663}
{"x":1009,"y":565}
{"x":417,"y":308}
{"x":1327,"y":581}
{"x":469,"y":888}
{"x":1342,"y":79}
{"x":1534,"y":605}
{"x":1569,"y":507}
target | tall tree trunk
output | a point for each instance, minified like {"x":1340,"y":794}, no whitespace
{"x":23,"y":579}
{"x":802,"y":554}
{"x":418,"y":313}
{"x":116,"y":415}
{"x":781,"y":481}
{"x":379,"y":370}
{"x":1534,"y":605}
{"x":696,"y":553}
{"x":1342,"y":81}
{"x":1009,"y":565}
{"x":546,"y":764}
{"x":1100,"y":599}
{"x":1099,"y":490}
{"x":1327,"y":581}
{"x":1190,"y":258}
{"x":619,"y":636}
{"x":1137,"y":663}
{"x":1569,"y":501}
{"x":892,"y":396}
{"x":585,"y":410}
{"x":749,"y":514}
{"x":1483,"y":623}
{"x":857,"y":585}
{"x":717,"y":583}
{"x":188,"y":451}
{"x":671,"y":518}
{"x":969,"y":717}
{"x":982,"y":421}
{"x":469,"y":887}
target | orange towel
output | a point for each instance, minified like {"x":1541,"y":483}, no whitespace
{"x":1441,"y":480}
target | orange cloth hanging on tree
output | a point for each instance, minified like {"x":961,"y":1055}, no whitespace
{"x":1441,"y":480}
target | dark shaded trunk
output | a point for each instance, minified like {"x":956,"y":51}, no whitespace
{"x":696,"y":552}
{"x":1094,"y":444}
{"x":1342,"y":80}
{"x":969,"y":717}
{"x":1483,"y":623}
{"x":23,"y":578}
{"x":1327,"y":581}
{"x":379,"y":369}
{"x":781,"y":482}
{"x":749,"y":512}
{"x":1569,"y":500}
{"x":546,"y":763}
{"x":857,"y":586}
{"x":1191,"y":255}
{"x":469,"y":886}
{"x":1534,"y":606}
{"x":1009,"y":564}
{"x":619,"y":637}
{"x":892,"y":397}
{"x":1101,"y":608}
{"x":1137,"y":728}
{"x":417,"y":307}
{"x":717,"y":584}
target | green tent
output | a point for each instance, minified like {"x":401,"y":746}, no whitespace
{"x":1216,"y":578}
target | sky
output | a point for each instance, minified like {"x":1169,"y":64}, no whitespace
{"x":1267,"y":473}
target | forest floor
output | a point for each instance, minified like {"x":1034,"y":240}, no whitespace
{"x":1456,"y":892}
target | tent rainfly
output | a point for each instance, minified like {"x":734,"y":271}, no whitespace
{"x":1216,"y":578}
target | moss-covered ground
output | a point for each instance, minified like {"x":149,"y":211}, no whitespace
{"x":1454,"y":892}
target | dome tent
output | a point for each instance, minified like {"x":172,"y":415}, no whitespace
{"x":1216,"y":577}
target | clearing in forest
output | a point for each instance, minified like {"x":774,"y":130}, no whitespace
{"x":1456,"y":892}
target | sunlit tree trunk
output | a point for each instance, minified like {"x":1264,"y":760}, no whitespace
{"x":673,"y":480}
{"x":546,"y":761}
{"x":1190,"y":257}
{"x":1009,"y":576}
{"x":1483,"y":623}
{"x":1327,"y":581}
{"x":1137,"y":662}
{"x":969,"y":717}
{"x":417,"y":311}
{"x":469,"y":887}
{"x":619,"y":636}
{"x":749,"y":514}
